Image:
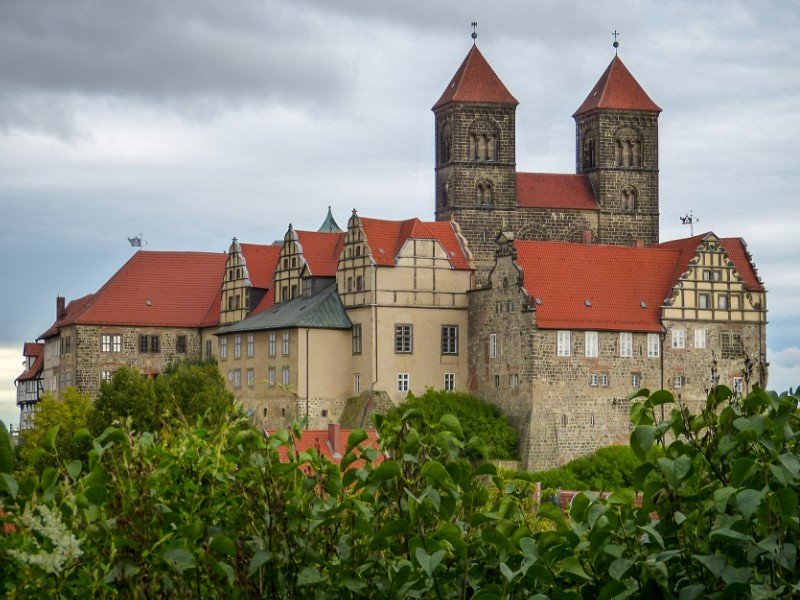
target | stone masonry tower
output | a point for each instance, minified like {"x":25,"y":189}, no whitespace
{"x":475,"y":154}
{"x":617,"y":147}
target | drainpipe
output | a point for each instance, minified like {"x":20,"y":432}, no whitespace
{"x":661,"y":338}
{"x":307,"y":353}
{"x":375,"y":326}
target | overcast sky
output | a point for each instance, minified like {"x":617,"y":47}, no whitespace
{"x":191,"y":122}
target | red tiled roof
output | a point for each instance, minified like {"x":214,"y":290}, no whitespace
{"x":386,"y":239}
{"x":321,"y":251}
{"x":261,"y":262}
{"x":617,"y":89}
{"x":73,"y":310}
{"x":475,"y":81}
{"x":555,"y":190}
{"x":166,"y":289}
{"x":317,"y":439}
{"x":35,"y":351}
{"x":734,"y":247}
{"x":616,"y":280}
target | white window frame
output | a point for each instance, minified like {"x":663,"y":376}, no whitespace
{"x":285,"y":347}
{"x":106,"y":375}
{"x":679,"y":339}
{"x":237,"y":346}
{"x":653,"y":345}
{"x":286,"y":376}
{"x":271,"y":346}
{"x":237,"y":378}
{"x":251,"y":377}
{"x":677,"y":382}
{"x":271,"y":376}
{"x":738,"y":385}
{"x":700,"y":339}
{"x":564,"y":342}
{"x":492,"y":345}
{"x":402,"y":382}
{"x":357,"y":382}
{"x":357,"y":338}
{"x":704,"y":301}
{"x":513,"y":380}
{"x":251,"y":344}
{"x":594,"y":380}
{"x":723,"y":302}
{"x":603,"y":379}
{"x":403,"y":338}
{"x":626,"y":344}
{"x":223,"y":348}
{"x":591,"y":344}
{"x":449,"y":339}
{"x":449,"y":382}
{"x":636,"y":381}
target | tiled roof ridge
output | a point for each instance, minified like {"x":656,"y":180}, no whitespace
{"x":475,"y":81}
{"x":617,"y":88}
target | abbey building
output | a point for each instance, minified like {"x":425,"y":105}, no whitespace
{"x":549,"y":295}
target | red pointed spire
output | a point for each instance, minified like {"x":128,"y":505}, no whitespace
{"x":617,"y":89}
{"x":475,"y":81}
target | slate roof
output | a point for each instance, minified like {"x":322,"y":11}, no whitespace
{"x":475,"y":81}
{"x":321,"y":311}
{"x":386,"y":238}
{"x":555,"y":190}
{"x":35,"y":351}
{"x":329,"y":225}
{"x":617,"y":89}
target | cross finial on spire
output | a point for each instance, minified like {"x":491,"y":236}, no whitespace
{"x":616,"y":43}
{"x":474,"y":31}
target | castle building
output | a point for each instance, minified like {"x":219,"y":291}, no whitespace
{"x":549,"y":295}
{"x":30,"y":388}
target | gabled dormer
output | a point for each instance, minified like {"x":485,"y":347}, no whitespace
{"x":307,"y":262}
{"x":236,"y":298}
{"x":356,"y":264}
{"x":715,"y":281}
{"x":288,"y":283}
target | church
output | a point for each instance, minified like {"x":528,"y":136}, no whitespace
{"x":549,"y":295}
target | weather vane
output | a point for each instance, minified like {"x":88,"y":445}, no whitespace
{"x":474,"y":31}
{"x":616,"y":43}
{"x":689,"y":219}
{"x":137,"y":241}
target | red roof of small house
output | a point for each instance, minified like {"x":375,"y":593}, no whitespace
{"x":555,"y":190}
{"x":617,"y":89}
{"x":475,"y":81}
{"x":159,"y":289}
{"x":35,"y":351}
{"x":321,"y":251}
{"x":594,"y":287}
{"x":73,"y":310}
{"x":735,"y":248}
{"x":319,"y":440}
{"x":386,"y":238}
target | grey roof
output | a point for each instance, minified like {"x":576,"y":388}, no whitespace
{"x":329,"y":225}
{"x":320,"y":311}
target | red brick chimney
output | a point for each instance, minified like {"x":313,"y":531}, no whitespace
{"x":61,"y":307}
{"x":334,"y":429}
{"x":587,"y":237}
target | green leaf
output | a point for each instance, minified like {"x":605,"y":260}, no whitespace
{"x":451,"y":533}
{"x":692,"y":592}
{"x":388,"y":469}
{"x":452,"y":424}
{"x":49,"y":440}
{"x":748,"y":501}
{"x":721,"y":497}
{"x":223,"y":545}
{"x":529,"y":549}
{"x":9,"y":483}
{"x":429,"y":562}
{"x":791,"y":462}
{"x":179,"y":559}
{"x":740,"y":469}
{"x":507,"y":572}
{"x":548,"y":510}
{"x":572,"y":566}
{"x":640,"y":474}
{"x":730,"y":534}
{"x":81,"y":435}
{"x":486,"y":469}
{"x":74,"y":469}
{"x":619,"y":567}
{"x":624,"y":497}
{"x":660,"y":397}
{"x":6,"y":450}
{"x":675,"y":470}
{"x":258,"y":560}
{"x":355,"y":438}
{"x":786,"y":500}
{"x":642,"y":439}
{"x":309,"y":576}
{"x":433,"y":469}
{"x":397,"y":527}
{"x":713,"y":562}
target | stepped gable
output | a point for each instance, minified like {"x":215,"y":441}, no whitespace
{"x":617,"y":89}
{"x":555,"y":190}
{"x":36,"y":351}
{"x":735,"y":248}
{"x":386,"y":238}
{"x":321,"y":251}
{"x":159,"y":289}
{"x":73,"y":310}
{"x":625,"y":287}
{"x":475,"y":81}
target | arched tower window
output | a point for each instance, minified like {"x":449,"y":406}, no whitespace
{"x":627,"y":148}
{"x":589,"y":153}
{"x":483,"y":140}
{"x":446,"y":143}
{"x":628,"y":199}
{"x":483,"y":193}
{"x":445,"y":193}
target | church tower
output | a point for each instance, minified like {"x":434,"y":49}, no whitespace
{"x":475,"y":154}
{"x":616,"y":134}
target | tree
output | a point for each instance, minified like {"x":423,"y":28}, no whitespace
{"x":70,"y":414}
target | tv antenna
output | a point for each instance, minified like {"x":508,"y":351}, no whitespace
{"x":689,"y":219}
{"x":137,"y":241}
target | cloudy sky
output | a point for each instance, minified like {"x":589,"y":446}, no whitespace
{"x":193,"y":121}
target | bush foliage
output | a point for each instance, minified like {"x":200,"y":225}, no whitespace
{"x":608,"y":468}
{"x":477,"y":417}
{"x":213,"y":512}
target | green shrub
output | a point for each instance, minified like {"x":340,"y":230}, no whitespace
{"x":609,"y":468}
{"x":476,"y":416}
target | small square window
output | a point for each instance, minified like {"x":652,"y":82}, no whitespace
{"x":594,"y":379}
{"x":636,"y":381}
{"x":449,"y":339}
{"x":402,"y":382}
{"x":449,"y":382}
{"x":603,"y":379}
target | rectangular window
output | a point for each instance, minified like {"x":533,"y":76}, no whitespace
{"x":285,"y":376}
{"x":717,"y":275}
{"x":738,"y":384}
{"x":403,"y":339}
{"x":677,"y":381}
{"x":731,"y":344}
{"x":293,"y":291}
{"x":510,"y":306}
{"x":592,"y":343}
{"x":653,"y":345}
{"x":626,"y":344}
{"x":357,"y":382}
{"x":237,"y":378}
{"x":223,"y":348}
{"x":251,"y":377}
{"x":594,"y":379}
{"x":449,"y":339}
{"x":699,"y":338}
{"x":237,"y":346}
{"x":603,"y":379}
{"x":497,"y":381}
{"x":402,"y":382}
{"x":106,"y":375}
{"x":449,"y":382}
{"x":706,"y":275}
{"x":564,"y":342}
{"x":513,"y":380}
{"x":356,"y":338}
{"x":636,"y":380}
{"x":285,"y":344}
{"x":499,"y":308}
{"x":105,"y":343}
{"x":180,"y":344}
{"x":250,"y":346}
{"x":349,"y":284}
{"x":208,"y":348}
{"x":307,"y":287}
{"x":66,"y":345}
{"x":271,"y":376}
{"x":678,"y":338}
{"x":271,"y":344}
{"x":703,"y":301}
{"x":144,"y":343}
{"x":492,"y":345}
{"x":359,"y":283}
{"x":722,"y":302}
{"x":155,"y":344}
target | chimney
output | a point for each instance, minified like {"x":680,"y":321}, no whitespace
{"x":639,"y":243}
{"x":587,"y":237}
{"x":333,"y":439}
{"x":61,"y":307}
